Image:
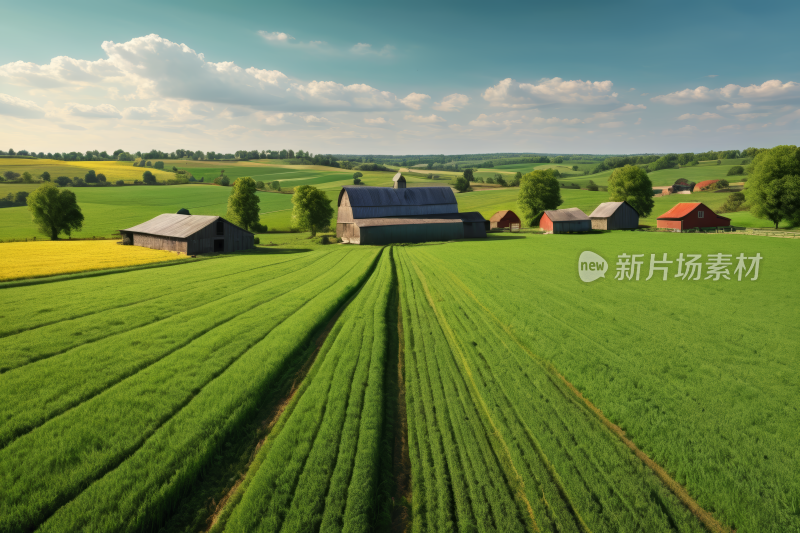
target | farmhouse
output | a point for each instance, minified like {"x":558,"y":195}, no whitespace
{"x":688,"y":215}
{"x":570,"y":220}
{"x":614,"y":215}
{"x":504,"y":219}
{"x":379,"y":215}
{"x":188,"y":234}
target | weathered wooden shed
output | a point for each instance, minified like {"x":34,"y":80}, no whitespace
{"x":615,"y":215}
{"x":504,"y":219}
{"x":379,"y":215}
{"x":571,"y":220}
{"x":399,"y":181}
{"x":189,"y":234}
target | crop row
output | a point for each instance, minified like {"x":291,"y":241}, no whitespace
{"x":565,"y":468}
{"x":120,"y":460}
{"x":321,"y":467}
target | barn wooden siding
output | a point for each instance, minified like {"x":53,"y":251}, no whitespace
{"x":571,"y":220}
{"x":423,"y":230}
{"x":156,"y":242}
{"x":615,"y":216}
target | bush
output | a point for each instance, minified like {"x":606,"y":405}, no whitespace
{"x":159,"y":165}
{"x":490,"y":180}
{"x":11,"y":176}
{"x":78,"y":182}
{"x":734,"y":202}
{"x":719,"y":161}
{"x":45,"y":176}
{"x":149,"y":163}
{"x":90,"y":177}
{"x":148,"y":178}
{"x":259,"y":184}
{"x":63,"y":181}
{"x":735,"y":171}
{"x":256,"y":240}
{"x":120,"y":183}
{"x":592,"y":186}
{"x":222,"y":180}
{"x":183,"y":211}
{"x":575,"y":167}
{"x":101,"y":178}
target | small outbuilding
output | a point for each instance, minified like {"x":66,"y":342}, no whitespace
{"x":399,"y":181}
{"x":689,"y":215}
{"x":504,"y":219}
{"x":189,"y":234}
{"x":703,"y":184}
{"x":614,"y":215}
{"x":571,"y":220}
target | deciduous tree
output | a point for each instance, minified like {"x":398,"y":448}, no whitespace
{"x":773,"y":188}
{"x":632,"y":184}
{"x":55,"y":211}
{"x":243,"y":203}
{"x":312,"y":209}
{"x":538,"y":192}
{"x":148,"y":178}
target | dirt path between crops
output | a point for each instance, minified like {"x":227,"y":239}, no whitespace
{"x":274,"y":413}
{"x":401,"y":514}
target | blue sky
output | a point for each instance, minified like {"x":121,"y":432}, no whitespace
{"x":416,"y":77}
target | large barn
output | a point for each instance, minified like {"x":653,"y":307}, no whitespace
{"x":189,"y":234}
{"x":571,"y":220}
{"x":615,"y":215}
{"x":688,"y":215}
{"x":379,"y":215}
{"x":504,"y":219}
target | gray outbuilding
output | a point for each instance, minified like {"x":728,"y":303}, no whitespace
{"x":379,"y":215}
{"x":399,"y":181}
{"x":614,"y":215}
{"x":189,"y":234}
{"x":571,"y":220}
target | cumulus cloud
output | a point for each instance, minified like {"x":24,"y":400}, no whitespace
{"x":556,"y":120}
{"x":275,"y":119}
{"x":89,"y":111}
{"x":616,"y":124}
{"x":275,"y":36}
{"x":769,"y":90}
{"x":16,"y":107}
{"x":751,"y":116}
{"x":414,"y":100}
{"x":452,"y":102}
{"x":313,"y":119}
{"x":704,"y":116}
{"x":430,"y":119}
{"x":510,"y":93}
{"x":365,"y":49}
{"x":483,"y":121}
{"x":734,"y":107}
{"x":375,"y":121}
{"x":161,"y":69}
{"x":729,"y":127}
{"x":139,"y":113}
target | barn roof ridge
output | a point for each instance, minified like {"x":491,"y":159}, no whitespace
{"x":606,"y":209}
{"x":386,"y":196}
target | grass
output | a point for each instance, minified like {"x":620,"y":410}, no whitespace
{"x":20,"y":260}
{"x":201,"y":381}
{"x":321,"y":470}
{"x":707,"y":391}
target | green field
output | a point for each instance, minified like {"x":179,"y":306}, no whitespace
{"x":139,"y":397}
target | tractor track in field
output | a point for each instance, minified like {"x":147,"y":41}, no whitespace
{"x":401,"y":459}
{"x":707,"y":519}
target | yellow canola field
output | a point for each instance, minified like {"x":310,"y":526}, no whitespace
{"x":113,"y":170}
{"x":49,"y":258}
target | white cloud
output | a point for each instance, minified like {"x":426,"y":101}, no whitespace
{"x":61,"y":71}
{"x":629,"y":107}
{"x":414,"y":100}
{"x":16,"y":107}
{"x":365,"y":49}
{"x":275,"y":36}
{"x":430,"y":119}
{"x":632,"y":89}
{"x":751,"y":116}
{"x":313,"y":119}
{"x":510,"y":93}
{"x":375,"y":121}
{"x":88,"y":111}
{"x":685,"y":130}
{"x":712,"y":75}
{"x":276,"y":119}
{"x":769,"y":90}
{"x":734,"y":107}
{"x":617,"y":124}
{"x":483,"y":121}
{"x":704,"y":116}
{"x":729,"y":127}
{"x":452,"y":102}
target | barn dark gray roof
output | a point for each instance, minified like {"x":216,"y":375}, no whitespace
{"x":173,"y":225}
{"x":566,"y":215}
{"x":607,"y":209}
{"x":375,"y":202}
{"x":369,"y":222}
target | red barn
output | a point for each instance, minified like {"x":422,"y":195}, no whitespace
{"x":504,"y":219}
{"x":699,"y":186}
{"x":571,"y":220}
{"x":688,"y":215}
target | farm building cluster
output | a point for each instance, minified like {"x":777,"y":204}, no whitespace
{"x":380,"y":215}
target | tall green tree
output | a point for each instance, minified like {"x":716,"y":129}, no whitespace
{"x":55,"y":211}
{"x":148,"y":178}
{"x":312,"y":210}
{"x":538,"y":192}
{"x":773,"y":185}
{"x":461,"y":184}
{"x":468,"y":175}
{"x":243,"y":204}
{"x":632,"y":184}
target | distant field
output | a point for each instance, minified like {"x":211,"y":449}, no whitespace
{"x":113,"y":170}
